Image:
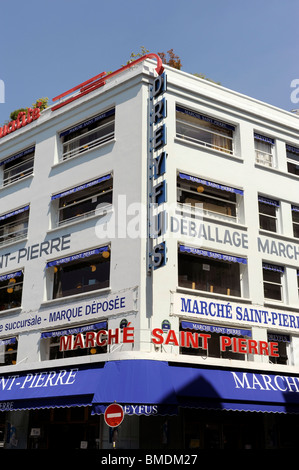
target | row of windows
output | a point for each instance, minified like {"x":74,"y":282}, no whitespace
{"x":197,"y":269}
{"x":211,"y":348}
{"x":88,"y":273}
{"x":212,"y":133}
{"x":85,"y":136}
{"x":217,"y":201}
{"x":190,"y":126}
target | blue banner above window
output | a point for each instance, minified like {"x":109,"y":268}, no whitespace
{"x":263,"y":138}
{"x":74,"y":331}
{"x":222,"y":187}
{"x":202,"y":117}
{"x":270,"y":202}
{"x":292,"y":149}
{"x":16,"y":212}
{"x":212,"y":254}
{"x":87,"y":123}
{"x":78,"y":256}
{"x":295,"y":208}
{"x":81,"y":187}
{"x":215,"y":329}
{"x":17,"y":155}
{"x":6,"y":277}
{"x":273,"y":267}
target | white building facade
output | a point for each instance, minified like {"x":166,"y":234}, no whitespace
{"x":149,"y":256}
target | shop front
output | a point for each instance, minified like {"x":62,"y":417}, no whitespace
{"x":166,"y":405}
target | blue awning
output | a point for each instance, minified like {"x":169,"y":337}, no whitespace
{"x":87,"y":123}
{"x":263,"y":138}
{"x":15,"y":212}
{"x":211,"y":184}
{"x":74,"y":331}
{"x":211,"y":254}
{"x":84,"y":254}
{"x":270,"y":202}
{"x":17,"y":155}
{"x":150,"y":387}
{"x":82,"y":186}
{"x":6,"y":277}
{"x":215,"y":329}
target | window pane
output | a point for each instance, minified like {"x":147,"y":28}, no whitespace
{"x":11,"y":293}
{"x":204,"y":132}
{"x":209,"y":275}
{"x":84,"y":203}
{"x":18,"y":169}
{"x":88,"y":137}
{"x":84,"y":276}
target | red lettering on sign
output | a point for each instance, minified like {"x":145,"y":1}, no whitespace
{"x":22,"y":120}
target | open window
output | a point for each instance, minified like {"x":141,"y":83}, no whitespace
{"x":204,"y":130}
{"x":88,"y":135}
{"x":14,"y":225}
{"x":216,"y":200}
{"x":82,"y":201}
{"x":17,"y":166}
{"x":273,"y":281}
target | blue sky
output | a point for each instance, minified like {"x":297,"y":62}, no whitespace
{"x":49,"y":46}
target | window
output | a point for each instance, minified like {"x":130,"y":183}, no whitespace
{"x":82,"y":201}
{"x":214,"y":342}
{"x":209,"y":271}
{"x":11,"y":287}
{"x":18,"y":166}
{"x":295,"y":218}
{"x":272,"y":277}
{"x":268,"y":214}
{"x":204,"y":130}
{"x":216,"y":200}
{"x":263,"y":150}
{"x":292,"y":159}
{"x":88,"y":134}
{"x":8,"y":351}
{"x":14,"y":225}
{"x":283,"y":348}
{"x":54,"y":341}
{"x":83,"y":272}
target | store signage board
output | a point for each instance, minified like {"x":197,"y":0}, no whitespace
{"x":114,"y":415}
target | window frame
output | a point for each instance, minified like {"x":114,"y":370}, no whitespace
{"x":268,"y":217}
{"x":202,"y":125}
{"x":214,"y":344}
{"x":226,"y":197}
{"x":14,"y":218}
{"x":54,"y":341}
{"x":12,"y":283}
{"x":81,"y":195}
{"x":278,"y":283}
{"x":15,"y":162}
{"x":291,"y":150}
{"x":10,"y":352}
{"x":233,"y":268}
{"x":295,"y":210}
{"x":94,"y":258}
{"x":264,"y":157}
{"x":104,"y":119}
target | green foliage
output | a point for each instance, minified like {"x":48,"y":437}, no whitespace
{"x":14,"y":114}
{"x":41,"y":103}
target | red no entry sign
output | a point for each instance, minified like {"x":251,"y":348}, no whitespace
{"x":114,"y":414}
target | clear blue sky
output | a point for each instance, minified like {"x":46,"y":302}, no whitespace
{"x":48,"y":46}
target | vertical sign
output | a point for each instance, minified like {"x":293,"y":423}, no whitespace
{"x":157,"y":194}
